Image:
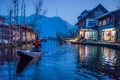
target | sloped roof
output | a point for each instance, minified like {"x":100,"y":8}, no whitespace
{"x":84,"y":13}
{"x":103,"y":15}
{"x":89,"y":11}
{"x":116,"y":12}
{"x":99,"y":5}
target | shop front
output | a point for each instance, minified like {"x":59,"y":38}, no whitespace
{"x":81,"y":33}
{"x":91,"y":35}
{"x":109,"y":35}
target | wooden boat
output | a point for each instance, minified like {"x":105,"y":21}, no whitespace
{"x":27,"y":57}
{"x":30,"y":53}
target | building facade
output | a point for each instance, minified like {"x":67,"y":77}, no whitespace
{"x":1,"y":20}
{"x":27,"y":33}
{"x":16,"y":33}
{"x":99,"y":24}
{"x":5,"y":34}
{"x":109,"y":27}
{"x":87,"y":24}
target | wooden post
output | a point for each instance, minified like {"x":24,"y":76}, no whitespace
{"x":10,"y":26}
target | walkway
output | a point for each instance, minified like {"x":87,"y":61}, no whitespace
{"x":100,"y":43}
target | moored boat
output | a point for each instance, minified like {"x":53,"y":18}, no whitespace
{"x":31,"y":53}
{"x":27,"y":57}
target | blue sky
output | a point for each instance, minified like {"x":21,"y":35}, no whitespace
{"x":68,"y":10}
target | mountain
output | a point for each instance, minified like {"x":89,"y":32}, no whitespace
{"x":48,"y":26}
{"x":51,"y":26}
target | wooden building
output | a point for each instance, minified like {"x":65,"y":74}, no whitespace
{"x":109,"y":26}
{"x":16,"y":33}
{"x":27,"y":34}
{"x":87,"y":24}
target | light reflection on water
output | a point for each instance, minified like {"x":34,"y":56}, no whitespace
{"x":63,"y":62}
{"x":109,"y":56}
{"x":100,"y":59}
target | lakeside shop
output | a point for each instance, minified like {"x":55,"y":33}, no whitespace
{"x":109,"y":35}
{"x":89,"y":34}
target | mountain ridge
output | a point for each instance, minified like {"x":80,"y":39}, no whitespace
{"x":48,"y":26}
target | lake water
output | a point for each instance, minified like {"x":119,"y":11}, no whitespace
{"x":63,"y":62}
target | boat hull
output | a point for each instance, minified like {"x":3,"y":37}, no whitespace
{"x":29,"y":53}
{"x":26,"y":58}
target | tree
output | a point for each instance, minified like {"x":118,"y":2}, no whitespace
{"x":10,"y":23}
{"x":38,"y":11}
{"x":23,"y":13}
{"x":16,"y":10}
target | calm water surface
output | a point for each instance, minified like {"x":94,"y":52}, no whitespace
{"x":63,"y":62}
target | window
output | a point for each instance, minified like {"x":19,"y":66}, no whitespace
{"x":100,"y":23}
{"x":108,"y":21}
{"x":111,"y":20}
{"x":104,"y":22}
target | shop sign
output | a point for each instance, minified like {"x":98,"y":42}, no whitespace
{"x":91,"y":23}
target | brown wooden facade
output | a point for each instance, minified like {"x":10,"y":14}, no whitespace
{"x":15,"y":33}
{"x":5,"y":34}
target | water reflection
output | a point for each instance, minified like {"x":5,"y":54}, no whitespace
{"x":87,"y":54}
{"x":63,"y":62}
{"x":100,"y":59}
{"x":8,"y":62}
{"x":108,"y":56}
